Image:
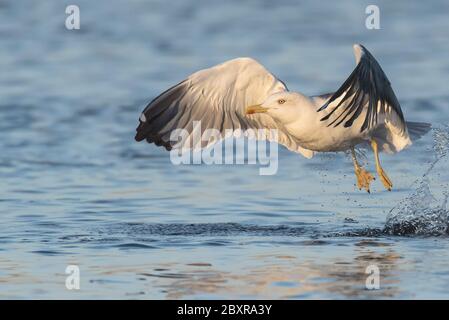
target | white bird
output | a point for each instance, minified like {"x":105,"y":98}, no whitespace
{"x":242,"y":94}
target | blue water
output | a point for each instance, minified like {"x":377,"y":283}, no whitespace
{"x":75,"y":188}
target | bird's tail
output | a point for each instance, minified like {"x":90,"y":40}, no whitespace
{"x":417,"y":129}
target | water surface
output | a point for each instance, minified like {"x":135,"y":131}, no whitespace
{"x":75,"y":188}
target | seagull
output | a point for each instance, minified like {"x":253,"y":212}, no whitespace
{"x":242,"y":94}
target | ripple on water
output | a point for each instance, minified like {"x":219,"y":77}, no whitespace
{"x":208,"y":229}
{"x":125,"y":246}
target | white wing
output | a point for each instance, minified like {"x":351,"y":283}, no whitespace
{"x":217,"y":97}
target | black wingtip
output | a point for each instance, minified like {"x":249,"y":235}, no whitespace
{"x":142,"y":132}
{"x":348,"y":124}
{"x":325,"y":117}
{"x":323,"y":107}
{"x":138,"y":138}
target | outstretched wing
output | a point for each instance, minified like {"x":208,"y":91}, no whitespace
{"x":367,"y":95}
{"x":216,"y":97}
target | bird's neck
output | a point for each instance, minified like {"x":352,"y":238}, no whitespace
{"x":302,"y":127}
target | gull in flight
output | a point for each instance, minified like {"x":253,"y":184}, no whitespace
{"x":242,"y":94}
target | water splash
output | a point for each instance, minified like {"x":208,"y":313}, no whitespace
{"x":424,"y":211}
{"x":419,"y":214}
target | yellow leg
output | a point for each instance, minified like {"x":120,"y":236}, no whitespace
{"x":364,"y":178}
{"x":380,"y":172}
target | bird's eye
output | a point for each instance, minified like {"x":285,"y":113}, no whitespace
{"x":281,"y":101}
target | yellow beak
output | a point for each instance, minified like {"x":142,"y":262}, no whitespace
{"x":255,"y":109}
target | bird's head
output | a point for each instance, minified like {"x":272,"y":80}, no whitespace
{"x":284,"y":107}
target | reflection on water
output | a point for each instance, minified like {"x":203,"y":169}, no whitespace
{"x":281,"y":277}
{"x":263,"y":275}
{"x":76,"y":189}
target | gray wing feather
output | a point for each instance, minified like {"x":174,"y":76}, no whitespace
{"x":367,"y":92}
{"x":418,"y":129}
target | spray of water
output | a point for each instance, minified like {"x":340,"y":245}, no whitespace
{"x":424,"y":211}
